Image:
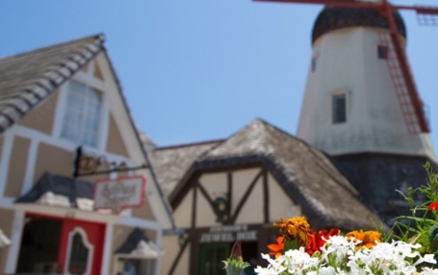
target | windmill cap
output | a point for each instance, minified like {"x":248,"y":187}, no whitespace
{"x":333,"y":18}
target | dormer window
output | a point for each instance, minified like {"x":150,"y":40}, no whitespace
{"x":82,"y":113}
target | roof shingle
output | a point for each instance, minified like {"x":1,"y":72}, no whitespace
{"x":28,"y":78}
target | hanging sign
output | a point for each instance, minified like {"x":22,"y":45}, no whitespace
{"x":228,"y":233}
{"x":120,"y":193}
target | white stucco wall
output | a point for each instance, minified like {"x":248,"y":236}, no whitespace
{"x":347,"y":60}
{"x":183,"y":213}
{"x":280,"y":205}
{"x":215,"y":184}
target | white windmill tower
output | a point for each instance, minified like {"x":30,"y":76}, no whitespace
{"x":361,"y":105}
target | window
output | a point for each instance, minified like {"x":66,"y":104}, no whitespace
{"x":382,"y":52}
{"x":78,"y":255}
{"x":339,"y":108}
{"x":314,"y":63}
{"x":82,"y":113}
{"x":79,"y":259}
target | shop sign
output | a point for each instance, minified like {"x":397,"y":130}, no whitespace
{"x":229,"y":233}
{"x":120,"y":193}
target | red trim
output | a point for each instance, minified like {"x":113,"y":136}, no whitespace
{"x":107,"y":181}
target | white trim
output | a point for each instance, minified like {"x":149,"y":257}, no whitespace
{"x":62,"y":143}
{"x":14,"y":249}
{"x":58,"y":117}
{"x":89,"y":80}
{"x":7,"y":203}
{"x":158,"y":243}
{"x":107,"y":249}
{"x":8,"y":143}
{"x":63,"y":212}
{"x":30,"y":166}
{"x":87,"y":244}
{"x":137,"y":222}
{"x":104,"y":122}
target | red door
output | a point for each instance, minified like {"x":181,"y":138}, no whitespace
{"x":81,"y":247}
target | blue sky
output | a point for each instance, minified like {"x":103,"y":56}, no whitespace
{"x":197,"y":70}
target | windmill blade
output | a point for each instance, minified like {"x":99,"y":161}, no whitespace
{"x":409,"y":99}
{"x":400,"y":85}
{"x":427,"y":16}
{"x":363,"y":4}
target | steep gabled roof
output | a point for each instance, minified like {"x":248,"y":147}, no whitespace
{"x":171,"y":163}
{"x":305,"y":173}
{"x":29,"y":78}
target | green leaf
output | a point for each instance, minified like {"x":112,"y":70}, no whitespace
{"x":291,"y":244}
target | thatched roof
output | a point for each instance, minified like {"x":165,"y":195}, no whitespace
{"x":309,"y":177}
{"x":172,"y":163}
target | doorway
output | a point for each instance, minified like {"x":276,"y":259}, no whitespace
{"x":63,"y":246}
{"x":39,"y":245}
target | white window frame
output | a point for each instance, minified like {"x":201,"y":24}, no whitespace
{"x":87,"y":244}
{"x":89,"y":98}
{"x":103,"y":117}
{"x":346,"y":94}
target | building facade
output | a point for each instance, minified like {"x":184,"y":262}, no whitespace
{"x":64,"y":124}
{"x":234,"y":189}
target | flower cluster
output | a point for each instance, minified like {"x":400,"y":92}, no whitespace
{"x":342,"y":255}
{"x":409,"y":248}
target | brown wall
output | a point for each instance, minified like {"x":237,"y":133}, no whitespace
{"x":53,"y":159}
{"x":42,"y":117}
{"x":115,"y":142}
{"x":17,"y":167}
{"x":6,"y":220}
{"x":144,"y":212}
{"x":97,"y":71}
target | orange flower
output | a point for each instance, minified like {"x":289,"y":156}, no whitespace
{"x":295,"y":228}
{"x":367,"y":238}
{"x":277,"y":248}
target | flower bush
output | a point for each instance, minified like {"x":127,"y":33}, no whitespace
{"x":410,"y":247}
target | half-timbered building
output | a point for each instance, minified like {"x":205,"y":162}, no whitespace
{"x":234,"y":189}
{"x":64,"y":123}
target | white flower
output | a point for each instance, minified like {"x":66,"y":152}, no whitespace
{"x":275,"y":267}
{"x":298,"y":261}
{"x":429,"y":271}
{"x":339,"y":256}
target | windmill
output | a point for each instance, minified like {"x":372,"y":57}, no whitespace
{"x":361,"y":104}
{"x":404,"y":84}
